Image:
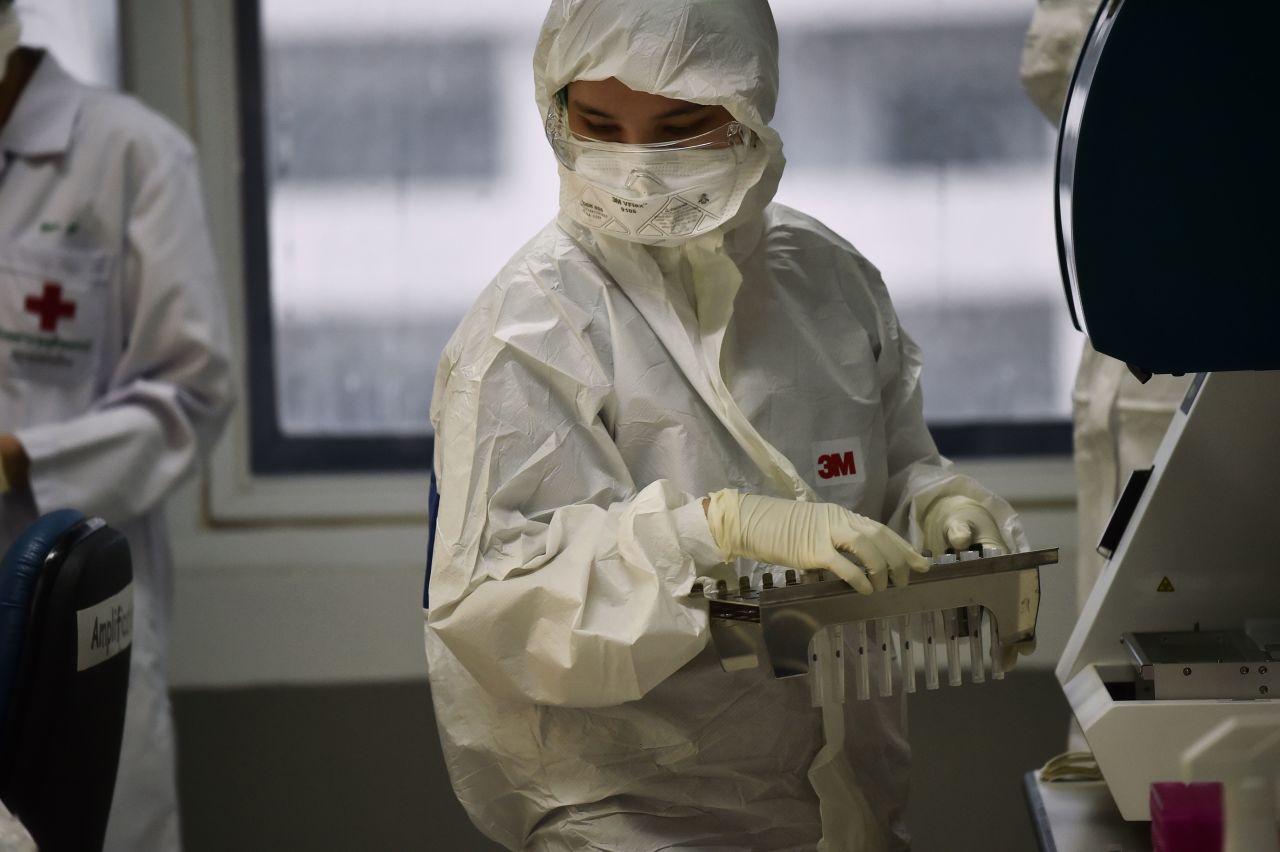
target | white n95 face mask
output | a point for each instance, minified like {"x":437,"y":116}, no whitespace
{"x":10,"y":34}
{"x":660,"y":194}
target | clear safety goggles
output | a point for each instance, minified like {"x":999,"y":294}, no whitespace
{"x":569,"y":147}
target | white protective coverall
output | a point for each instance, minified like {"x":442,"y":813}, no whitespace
{"x":592,"y":396}
{"x":114,"y":371}
{"x":13,"y":834}
{"x":1118,"y":422}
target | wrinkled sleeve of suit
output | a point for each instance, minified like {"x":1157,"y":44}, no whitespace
{"x":172,"y":387}
{"x":555,"y":579}
{"x":918,"y":474}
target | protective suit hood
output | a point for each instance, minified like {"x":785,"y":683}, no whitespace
{"x":717,"y":52}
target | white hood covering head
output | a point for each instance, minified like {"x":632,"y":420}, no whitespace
{"x":716,"y":52}
{"x":1049,"y":53}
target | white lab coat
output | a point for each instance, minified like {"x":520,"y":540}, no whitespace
{"x":595,"y":392}
{"x":114,"y":370}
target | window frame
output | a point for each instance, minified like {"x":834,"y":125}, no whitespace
{"x":1003,"y":439}
{"x":274,"y":452}
{"x":364,"y":479}
{"x":271,"y":450}
{"x":181,"y":58}
{"x":263,"y":557}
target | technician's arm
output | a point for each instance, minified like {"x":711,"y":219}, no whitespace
{"x":172,"y":388}
{"x":13,"y":462}
{"x":919,"y":477}
{"x":555,"y":579}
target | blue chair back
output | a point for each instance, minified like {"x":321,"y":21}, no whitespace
{"x":433,"y":512}
{"x":66,"y":625}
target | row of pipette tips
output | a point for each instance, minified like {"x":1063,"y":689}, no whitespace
{"x":916,"y":639}
{"x":791,"y":577}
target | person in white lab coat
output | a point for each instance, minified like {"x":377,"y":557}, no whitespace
{"x":114,"y":361}
{"x":1118,"y":422}
{"x":675,"y":378}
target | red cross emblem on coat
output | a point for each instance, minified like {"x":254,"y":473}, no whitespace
{"x":50,"y":307}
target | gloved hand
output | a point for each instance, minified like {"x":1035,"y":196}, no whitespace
{"x":811,"y":536}
{"x":959,"y":522}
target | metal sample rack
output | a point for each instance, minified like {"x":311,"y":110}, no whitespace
{"x":941,"y":611}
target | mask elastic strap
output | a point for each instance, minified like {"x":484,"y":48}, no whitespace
{"x":716,"y":280}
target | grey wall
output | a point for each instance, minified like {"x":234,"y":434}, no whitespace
{"x":359,"y":767}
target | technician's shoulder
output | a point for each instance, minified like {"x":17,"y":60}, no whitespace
{"x":546,"y":303}
{"x":114,"y":124}
{"x":795,"y":240}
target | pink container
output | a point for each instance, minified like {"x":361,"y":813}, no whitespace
{"x":1186,"y":817}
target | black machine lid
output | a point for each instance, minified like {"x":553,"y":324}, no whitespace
{"x":1167,"y":186}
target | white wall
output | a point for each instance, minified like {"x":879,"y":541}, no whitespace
{"x":319,"y":579}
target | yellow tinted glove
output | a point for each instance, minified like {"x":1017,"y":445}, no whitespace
{"x":959,"y":523}
{"x":811,"y":536}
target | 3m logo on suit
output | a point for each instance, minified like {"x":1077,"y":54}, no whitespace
{"x":832,"y":465}
{"x":837,"y":462}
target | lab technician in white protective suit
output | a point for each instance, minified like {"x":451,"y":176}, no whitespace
{"x":675,"y":378}
{"x":114,"y":372}
{"x":1118,"y":422}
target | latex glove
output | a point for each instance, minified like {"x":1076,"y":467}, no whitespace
{"x":960,"y":522}
{"x":811,"y":536}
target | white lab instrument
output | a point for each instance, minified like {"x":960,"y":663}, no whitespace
{"x":1243,"y":754}
{"x":1165,"y":193}
{"x":1172,"y":641}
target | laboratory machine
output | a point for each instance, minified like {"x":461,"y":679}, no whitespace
{"x":1166,"y":218}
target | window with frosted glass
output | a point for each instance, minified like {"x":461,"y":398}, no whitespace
{"x":401,"y":162}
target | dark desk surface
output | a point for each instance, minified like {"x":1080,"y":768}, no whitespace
{"x":1080,"y":816}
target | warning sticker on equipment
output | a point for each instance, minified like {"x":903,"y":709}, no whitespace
{"x":1165,"y":586}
